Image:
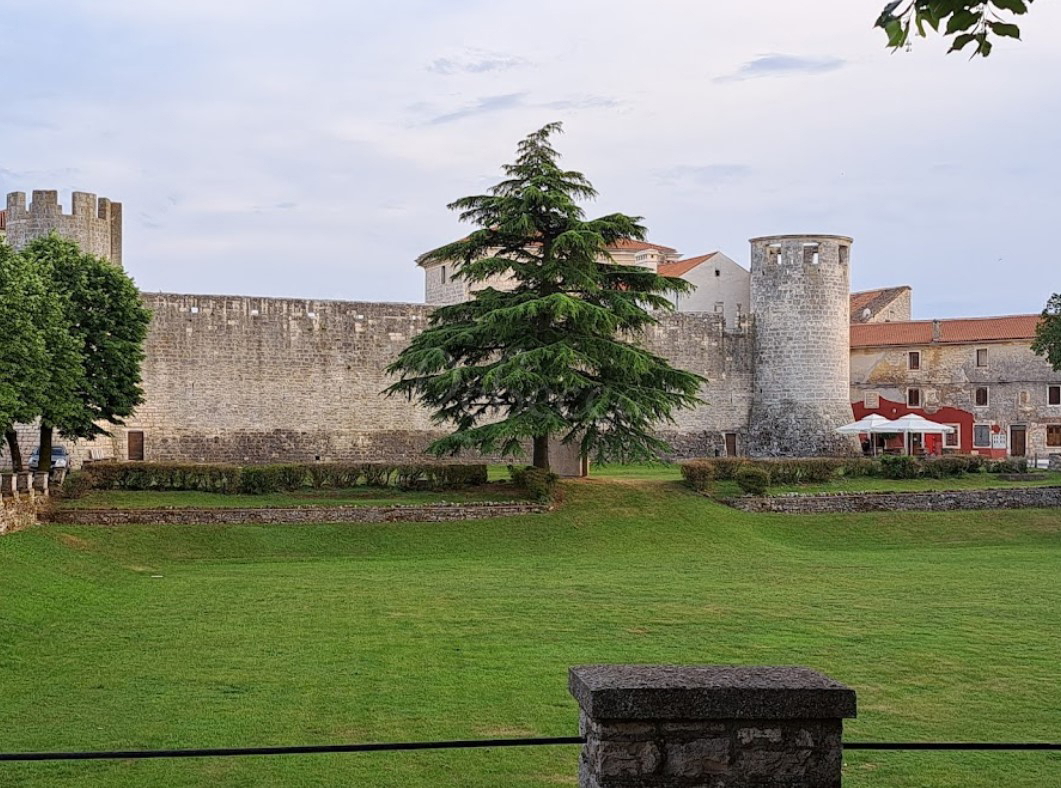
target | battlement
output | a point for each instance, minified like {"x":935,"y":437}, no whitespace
{"x":95,"y":224}
{"x":771,"y":252}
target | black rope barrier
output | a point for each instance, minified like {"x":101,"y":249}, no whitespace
{"x":222,"y":752}
{"x":469,"y":744}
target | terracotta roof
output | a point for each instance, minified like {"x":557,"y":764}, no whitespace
{"x":874,"y":301}
{"x":929,"y":332}
{"x":681,"y":267}
{"x":639,"y":246}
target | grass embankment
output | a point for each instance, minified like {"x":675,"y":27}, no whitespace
{"x":948,"y":625}
{"x":356,"y":496}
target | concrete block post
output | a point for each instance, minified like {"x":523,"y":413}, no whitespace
{"x":709,"y":727}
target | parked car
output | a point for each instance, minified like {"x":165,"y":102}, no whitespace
{"x":60,"y":459}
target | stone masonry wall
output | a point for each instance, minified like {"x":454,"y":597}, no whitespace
{"x":1014,"y":498}
{"x":434,"y":513}
{"x":800,"y":290}
{"x":95,"y":225}
{"x":250,"y":380}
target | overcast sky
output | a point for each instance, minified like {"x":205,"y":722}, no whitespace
{"x":309,"y":149}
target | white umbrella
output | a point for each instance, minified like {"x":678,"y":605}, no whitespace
{"x":912,"y":423}
{"x":874,"y":422}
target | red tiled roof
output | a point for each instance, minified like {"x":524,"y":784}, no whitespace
{"x":874,"y":300}
{"x":928,"y":332}
{"x":639,"y":246}
{"x":680,"y":267}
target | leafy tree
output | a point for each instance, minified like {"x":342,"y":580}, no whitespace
{"x":1048,"y":333}
{"x":95,"y":345}
{"x":23,"y":361}
{"x":557,"y":355}
{"x":968,"y":21}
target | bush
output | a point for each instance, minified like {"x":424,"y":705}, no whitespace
{"x":859,"y":467}
{"x":726,"y":468}
{"x":76,"y":485}
{"x":1008,"y":465}
{"x":943,"y":467}
{"x":753,"y":480}
{"x":900,"y":466}
{"x":539,"y":484}
{"x":699,"y":474}
{"x":259,"y":479}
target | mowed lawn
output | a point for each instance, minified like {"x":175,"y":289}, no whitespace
{"x":948,"y":626}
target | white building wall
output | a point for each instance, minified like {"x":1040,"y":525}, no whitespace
{"x":722,"y":285}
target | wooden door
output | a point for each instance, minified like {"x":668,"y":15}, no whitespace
{"x":731,"y":444}
{"x":136,"y":445}
{"x":1018,"y":441}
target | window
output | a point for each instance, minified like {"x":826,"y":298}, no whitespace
{"x":1053,"y":435}
{"x":718,"y":272}
{"x":1053,"y":395}
{"x":443,"y":274}
{"x":982,"y":436}
{"x":913,"y":359}
{"x":913,"y":398}
{"x":953,"y":440}
{"x":845,"y":254}
{"x":981,"y":397}
{"x":981,"y":357}
{"x":719,"y":307}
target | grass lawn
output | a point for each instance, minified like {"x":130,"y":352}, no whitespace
{"x":947,"y":624}
{"x":356,"y":496}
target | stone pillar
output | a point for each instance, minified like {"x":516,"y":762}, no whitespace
{"x":40,"y":483}
{"x":24,"y":482}
{"x":1055,"y":462}
{"x":8,"y":484}
{"x":711,"y":727}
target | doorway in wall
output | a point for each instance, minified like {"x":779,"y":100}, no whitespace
{"x":1018,"y":441}
{"x":731,"y":444}
{"x":135,"y":440}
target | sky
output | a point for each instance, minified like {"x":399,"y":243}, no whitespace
{"x":310,"y":149}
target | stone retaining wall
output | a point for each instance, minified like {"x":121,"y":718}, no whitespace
{"x":1013,"y":498}
{"x":16,"y":513}
{"x":1055,"y":462}
{"x":434,"y":513}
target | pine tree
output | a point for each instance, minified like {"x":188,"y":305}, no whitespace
{"x":557,"y":355}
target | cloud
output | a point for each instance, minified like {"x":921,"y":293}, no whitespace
{"x":475,"y":61}
{"x":775,"y":65}
{"x":584,"y":102}
{"x":481,"y":106}
{"x":705,"y":174}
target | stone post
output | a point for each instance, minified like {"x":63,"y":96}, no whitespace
{"x":8,"y":484}
{"x":709,"y":727}
{"x":40,"y":483}
{"x":24,"y":482}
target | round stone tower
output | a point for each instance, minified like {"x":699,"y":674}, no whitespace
{"x":800,"y":293}
{"x":93,"y":224}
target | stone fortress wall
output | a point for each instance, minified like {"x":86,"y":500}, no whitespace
{"x":255,"y":380}
{"x":95,"y":224}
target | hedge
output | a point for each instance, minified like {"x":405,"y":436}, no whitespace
{"x":259,"y":479}
{"x":539,"y":484}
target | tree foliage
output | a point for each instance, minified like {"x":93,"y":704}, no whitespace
{"x":967,"y":21}
{"x":556,"y":355}
{"x":1048,"y":333}
{"x":93,"y":327}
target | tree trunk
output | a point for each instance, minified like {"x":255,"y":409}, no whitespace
{"x":541,"y":452}
{"x":44,"y":453}
{"x":16,"y":453}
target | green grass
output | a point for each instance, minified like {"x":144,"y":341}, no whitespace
{"x":357,"y":496}
{"x":947,"y":624}
{"x":976,"y":481}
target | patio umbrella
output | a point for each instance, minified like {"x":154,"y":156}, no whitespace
{"x":912,"y":423}
{"x":873,"y":423}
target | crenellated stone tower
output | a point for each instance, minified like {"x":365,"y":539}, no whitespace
{"x":94,"y":224}
{"x":800,"y":291}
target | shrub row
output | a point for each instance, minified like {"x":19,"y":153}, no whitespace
{"x":700,"y":474}
{"x":259,"y":479}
